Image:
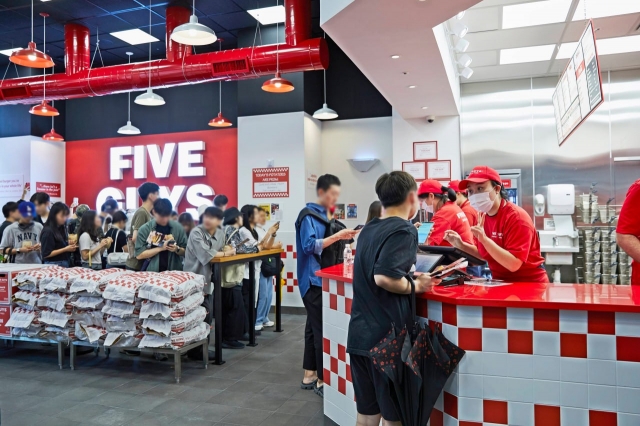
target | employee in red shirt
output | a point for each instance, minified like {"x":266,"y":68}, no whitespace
{"x":463,"y":202}
{"x":440,"y":201}
{"x":628,"y":229}
{"x":505,"y":236}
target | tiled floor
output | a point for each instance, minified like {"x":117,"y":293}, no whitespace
{"x":256,"y":386}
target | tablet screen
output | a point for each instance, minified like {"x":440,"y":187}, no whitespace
{"x":423,"y":232}
{"x":426,"y":262}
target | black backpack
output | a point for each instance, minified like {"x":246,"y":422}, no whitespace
{"x":334,"y":254}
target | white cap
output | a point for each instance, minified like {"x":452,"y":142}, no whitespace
{"x":202,"y":208}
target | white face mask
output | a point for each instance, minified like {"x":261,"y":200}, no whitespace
{"x":481,"y":202}
{"x":427,"y":208}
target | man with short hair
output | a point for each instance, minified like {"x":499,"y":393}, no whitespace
{"x":11,"y":215}
{"x":42,"y":201}
{"x":221,"y":201}
{"x":149,"y":192}
{"x":387,"y":249}
{"x":310,"y":242}
{"x":22,"y":238}
{"x":161,"y":240}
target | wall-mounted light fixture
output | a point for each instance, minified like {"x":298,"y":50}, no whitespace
{"x":363,"y":164}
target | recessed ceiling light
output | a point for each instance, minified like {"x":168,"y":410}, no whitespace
{"x":520,"y":55}
{"x":460,"y":15}
{"x":268,"y":15}
{"x":602,"y":8}
{"x":535,"y":13}
{"x":425,"y":107}
{"x":412,"y":87}
{"x":8,"y":52}
{"x":395,"y":56}
{"x":134,"y":37}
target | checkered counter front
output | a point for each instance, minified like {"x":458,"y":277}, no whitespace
{"x":524,"y":366}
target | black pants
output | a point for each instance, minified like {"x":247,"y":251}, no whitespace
{"x":246,"y":298}
{"x":312,"y":359}
{"x":233,"y":314}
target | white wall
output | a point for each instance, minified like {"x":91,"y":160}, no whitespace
{"x":15,"y":160}
{"x":364,"y":138}
{"x":312,"y":154}
{"x":445,"y":130}
{"x":48,"y":165}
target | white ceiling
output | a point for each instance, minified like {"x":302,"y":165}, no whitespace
{"x":486,"y":38}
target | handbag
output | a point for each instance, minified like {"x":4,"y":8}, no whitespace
{"x":232,"y":275}
{"x":114,"y":258}
{"x":269,"y":267}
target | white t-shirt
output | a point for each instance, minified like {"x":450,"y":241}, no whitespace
{"x":86,"y":243}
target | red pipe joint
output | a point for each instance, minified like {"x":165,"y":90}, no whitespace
{"x":77,"y":51}
{"x":297,"y":21}
{"x":176,"y":16}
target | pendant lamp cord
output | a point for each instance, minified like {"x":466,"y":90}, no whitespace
{"x":324,"y":36}
{"x":150,"y":43}
{"x":220,"y":82}
{"x":129,"y":99}
{"x":31,"y":20}
{"x":277,"y":42}
{"x":44,"y":50}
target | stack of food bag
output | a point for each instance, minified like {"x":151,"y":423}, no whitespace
{"x":25,"y":323}
{"x":122,"y":306}
{"x":86,"y":289}
{"x":171,"y":310}
{"x":25,"y":287}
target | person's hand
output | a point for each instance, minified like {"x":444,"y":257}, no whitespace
{"x":425,"y":282}
{"x":73,"y":205}
{"x":273,"y":229}
{"x":346,"y":234}
{"x":104,"y":242}
{"x":230,"y":252}
{"x":173,"y":248}
{"x":70,"y":248}
{"x":453,"y":238}
{"x":26,"y":189}
{"x":36,"y":247}
{"x":478,"y":230}
{"x":277,"y":245}
{"x":417,"y":224}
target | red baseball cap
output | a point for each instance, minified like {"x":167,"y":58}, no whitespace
{"x":430,"y":186}
{"x":480,"y":174}
{"x":455,"y":185}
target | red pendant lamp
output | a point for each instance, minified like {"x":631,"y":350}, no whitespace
{"x":277,"y":84}
{"x":53,"y":135}
{"x":220,"y":120}
{"x":43,"y":108}
{"x":31,"y":57}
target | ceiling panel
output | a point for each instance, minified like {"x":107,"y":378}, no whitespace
{"x":483,"y":59}
{"x":484,"y":19}
{"x":515,"y":37}
{"x":217,"y":7}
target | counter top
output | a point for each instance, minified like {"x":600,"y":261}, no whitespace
{"x":588,"y":297}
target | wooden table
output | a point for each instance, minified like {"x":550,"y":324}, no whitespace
{"x":217,"y":264}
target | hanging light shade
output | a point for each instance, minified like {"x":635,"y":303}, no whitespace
{"x":325,"y":113}
{"x":278,"y":85}
{"x":149,"y":98}
{"x":53,"y":136}
{"x":31,"y":57}
{"x":129,"y":129}
{"x":220,"y":121}
{"x":193,"y":33}
{"x":44,"y":109}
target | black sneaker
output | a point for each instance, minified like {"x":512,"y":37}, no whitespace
{"x":232,"y":344}
{"x":245,"y":336}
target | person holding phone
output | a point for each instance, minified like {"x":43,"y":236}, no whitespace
{"x":56,"y":249}
{"x":91,"y":246}
{"x":22,"y":238}
{"x":440,"y":201}
{"x":505,"y":235}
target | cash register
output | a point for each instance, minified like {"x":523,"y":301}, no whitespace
{"x":444,"y":262}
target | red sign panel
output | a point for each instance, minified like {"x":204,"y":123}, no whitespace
{"x":5,"y":314}
{"x":506,"y":183}
{"x":5,"y":288}
{"x":53,"y":189}
{"x":272,"y":182}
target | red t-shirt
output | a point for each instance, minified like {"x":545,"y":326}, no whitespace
{"x":628,"y":223}
{"x":512,"y":229}
{"x":470,"y":212}
{"x":449,"y":217}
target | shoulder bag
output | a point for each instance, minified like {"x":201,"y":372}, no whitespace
{"x":114,"y":258}
{"x":232,"y":275}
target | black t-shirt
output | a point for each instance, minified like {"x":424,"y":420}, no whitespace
{"x":163,"y":264}
{"x":51,"y":241}
{"x":385,"y":247}
{"x":3,"y":227}
{"x":119,"y":238}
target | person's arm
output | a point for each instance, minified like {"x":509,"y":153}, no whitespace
{"x":517,"y":242}
{"x":85,"y":247}
{"x":311,"y":244}
{"x":8,"y":244}
{"x":137,"y":221}
{"x":630,"y":244}
{"x":436,"y":235}
{"x":453,"y":238}
{"x":628,"y":228}
{"x":149,"y":253}
{"x":122,"y":241}
{"x":179,"y":248}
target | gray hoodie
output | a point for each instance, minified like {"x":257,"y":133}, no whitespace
{"x":14,"y":236}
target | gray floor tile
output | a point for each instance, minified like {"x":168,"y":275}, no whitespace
{"x":176,"y":407}
{"x":20,"y":402}
{"x":321,"y":421}
{"x":280,"y":391}
{"x":152,"y":419}
{"x":305,"y":408}
{"x":25,"y":418}
{"x":269,"y":377}
{"x":53,"y":406}
{"x":81,"y":394}
{"x":167,"y":390}
{"x":213,"y":383}
{"x":82,"y":412}
{"x":193,"y":422}
{"x":248,"y":400}
{"x":234,"y":372}
{"x":247,"y":387}
{"x":106,"y":382}
{"x":209,"y":412}
{"x":246,"y":417}
{"x":136,"y":386}
{"x":281,"y":419}
{"x":116,"y":416}
{"x":199,"y":394}
{"x":141,"y":403}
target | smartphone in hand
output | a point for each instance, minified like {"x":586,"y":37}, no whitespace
{"x":359,"y":227}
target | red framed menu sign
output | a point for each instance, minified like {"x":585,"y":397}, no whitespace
{"x":270,"y":182}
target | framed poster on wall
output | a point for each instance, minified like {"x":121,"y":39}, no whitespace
{"x":439,"y":170}
{"x":425,"y":151}
{"x":417,"y":169}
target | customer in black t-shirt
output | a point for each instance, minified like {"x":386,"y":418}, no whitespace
{"x":56,"y":249}
{"x":387,"y":250}
{"x":118,"y":234}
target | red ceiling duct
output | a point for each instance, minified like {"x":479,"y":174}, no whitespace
{"x":299,"y":53}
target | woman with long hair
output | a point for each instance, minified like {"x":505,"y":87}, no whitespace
{"x":56,"y":249}
{"x":89,"y":241}
{"x":375,"y":211}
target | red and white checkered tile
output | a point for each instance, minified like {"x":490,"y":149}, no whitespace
{"x":528,"y":367}
{"x":290,"y":293}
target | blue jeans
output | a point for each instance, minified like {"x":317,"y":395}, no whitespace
{"x":265,"y":295}
{"x":62,"y":263}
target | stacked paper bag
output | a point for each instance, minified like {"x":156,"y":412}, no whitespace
{"x":122,"y":306}
{"x":24,"y":321}
{"x":171,"y":310}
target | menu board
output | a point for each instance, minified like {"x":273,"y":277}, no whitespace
{"x":579,"y":91}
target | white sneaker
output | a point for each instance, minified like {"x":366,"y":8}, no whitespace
{"x":268,"y":324}
{"x":259,"y":327}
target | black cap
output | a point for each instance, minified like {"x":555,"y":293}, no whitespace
{"x":230,"y":215}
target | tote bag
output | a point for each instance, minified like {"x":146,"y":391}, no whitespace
{"x":114,"y":258}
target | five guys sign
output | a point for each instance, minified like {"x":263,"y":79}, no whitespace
{"x":190,"y":168}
